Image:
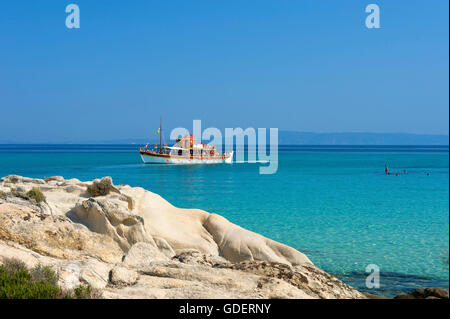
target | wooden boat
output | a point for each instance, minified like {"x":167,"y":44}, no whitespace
{"x":185,"y":151}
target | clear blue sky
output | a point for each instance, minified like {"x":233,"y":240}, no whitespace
{"x":303,"y":65}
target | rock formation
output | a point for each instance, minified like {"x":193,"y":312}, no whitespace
{"x":131,"y":243}
{"x":427,"y":293}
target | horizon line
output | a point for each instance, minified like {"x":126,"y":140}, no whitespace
{"x":139,"y":139}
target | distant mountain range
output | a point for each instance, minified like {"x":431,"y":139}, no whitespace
{"x":305,"y":138}
{"x":300,"y":138}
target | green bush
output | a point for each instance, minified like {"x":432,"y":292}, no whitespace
{"x":20,"y":286}
{"x":36,"y":194}
{"x":3,"y":195}
{"x":82,"y":292}
{"x":44,"y":274}
{"x":18,"y":282}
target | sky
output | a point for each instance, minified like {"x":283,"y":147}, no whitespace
{"x":300,"y":65}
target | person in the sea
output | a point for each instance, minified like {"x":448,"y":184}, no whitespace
{"x":386,"y":169}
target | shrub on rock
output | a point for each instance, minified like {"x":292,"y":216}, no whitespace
{"x":36,"y":194}
{"x":101,"y":187}
{"x":19,"y":282}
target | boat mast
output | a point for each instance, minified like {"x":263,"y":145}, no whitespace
{"x":160,"y":134}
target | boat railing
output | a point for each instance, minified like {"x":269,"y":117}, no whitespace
{"x":186,"y":154}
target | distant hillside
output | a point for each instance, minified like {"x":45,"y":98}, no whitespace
{"x":305,"y":138}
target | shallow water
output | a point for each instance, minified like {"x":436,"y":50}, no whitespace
{"x":333,"y":203}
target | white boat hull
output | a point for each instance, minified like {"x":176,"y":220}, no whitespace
{"x":151,"y":159}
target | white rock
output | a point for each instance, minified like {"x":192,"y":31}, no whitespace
{"x":111,"y":216}
{"x":142,"y":254}
{"x":123,"y":276}
{"x":94,"y":273}
{"x":69,"y":276}
{"x":164,"y":247}
{"x":54,"y":178}
{"x":85,"y":238}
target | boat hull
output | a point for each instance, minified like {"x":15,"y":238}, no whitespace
{"x":158,"y":159}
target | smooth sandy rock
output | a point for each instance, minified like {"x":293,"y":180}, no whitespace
{"x":72,"y":181}
{"x":152,"y":216}
{"x":193,"y":257}
{"x":178,"y":253}
{"x":307,"y":278}
{"x":69,"y":276}
{"x":22,"y":189}
{"x":54,"y":178}
{"x":112,"y":218}
{"x":238,"y":244}
{"x":94,"y":273}
{"x":141,"y":254}
{"x":209,"y":233}
{"x":30,"y":258}
{"x":10,"y":179}
{"x":164,"y":247}
{"x":75,"y":273}
{"x":75,"y":189}
{"x":123,"y":276}
{"x":54,"y":236}
{"x":427,"y":293}
{"x":15,"y":179}
{"x":204,"y":281}
{"x":181,"y":228}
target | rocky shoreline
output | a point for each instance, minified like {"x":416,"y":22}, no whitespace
{"x":130,"y":243}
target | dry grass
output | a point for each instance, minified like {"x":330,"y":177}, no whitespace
{"x":35,"y":194}
{"x":100,"y":188}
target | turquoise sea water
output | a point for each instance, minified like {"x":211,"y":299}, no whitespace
{"x":335,"y":204}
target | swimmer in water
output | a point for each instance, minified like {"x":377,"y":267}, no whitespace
{"x":386,"y":170}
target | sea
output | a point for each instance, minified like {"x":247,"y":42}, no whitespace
{"x":333,"y":203}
